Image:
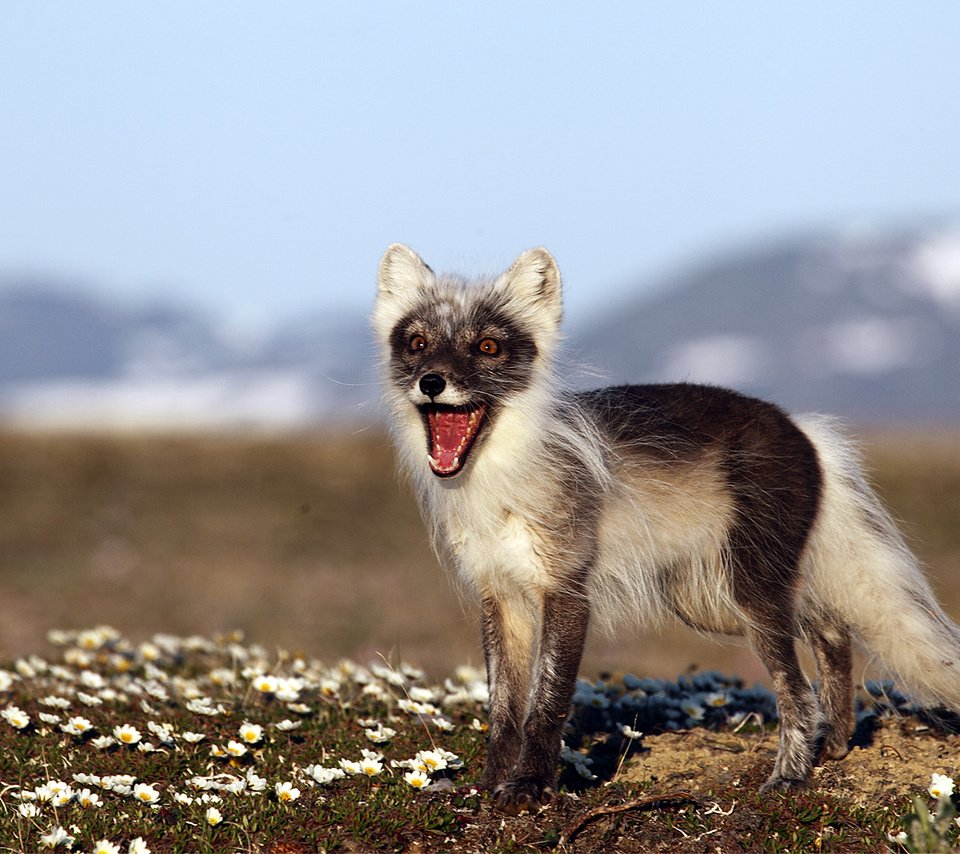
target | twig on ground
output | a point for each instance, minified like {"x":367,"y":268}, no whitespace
{"x":677,"y":799}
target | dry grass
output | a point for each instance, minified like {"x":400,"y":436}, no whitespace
{"x":310,"y":543}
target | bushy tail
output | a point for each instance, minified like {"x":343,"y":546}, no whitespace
{"x":861,"y":572}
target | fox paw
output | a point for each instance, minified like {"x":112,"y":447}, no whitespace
{"x":522,"y":795}
{"x":782,"y":784}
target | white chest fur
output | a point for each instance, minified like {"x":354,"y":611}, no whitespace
{"x":494,"y":546}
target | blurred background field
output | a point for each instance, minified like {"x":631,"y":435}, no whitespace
{"x":310,"y":543}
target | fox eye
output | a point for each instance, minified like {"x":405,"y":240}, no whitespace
{"x":489,"y":347}
{"x":418,"y":342}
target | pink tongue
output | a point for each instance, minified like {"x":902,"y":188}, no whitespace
{"x":449,"y":436}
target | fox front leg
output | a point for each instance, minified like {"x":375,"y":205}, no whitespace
{"x":563,"y":633}
{"x":507,"y":648}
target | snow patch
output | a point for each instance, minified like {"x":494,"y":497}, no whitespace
{"x":864,"y":346}
{"x":720,"y":359}
{"x":229,"y":400}
{"x":935,"y":265}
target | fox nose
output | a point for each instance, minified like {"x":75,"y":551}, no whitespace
{"x":432,"y":385}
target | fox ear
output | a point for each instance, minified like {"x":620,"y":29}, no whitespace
{"x":533,"y":283}
{"x":401,"y":271}
{"x":402,"y":277}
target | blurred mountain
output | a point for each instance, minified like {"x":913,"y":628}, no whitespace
{"x":864,"y":325}
{"x":68,"y":358}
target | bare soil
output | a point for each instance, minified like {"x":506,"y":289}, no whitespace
{"x":698,"y":791}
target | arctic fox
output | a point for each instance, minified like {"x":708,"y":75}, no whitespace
{"x":636,"y":503}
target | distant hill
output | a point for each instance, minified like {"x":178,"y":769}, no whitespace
{"x":866,"y":326}
{"x":69,"y":358}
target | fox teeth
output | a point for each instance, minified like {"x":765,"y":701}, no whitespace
{"x":436,"y":463}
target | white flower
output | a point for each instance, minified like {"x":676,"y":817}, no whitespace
{"x":61,"y":799}
{"x":126,"y":734}
{"x":54,"y":702}
{"x":322,"y":775}
{"x":629,"y":732}
{"x":251,"y":733}
{"x":371,"y":767}
{"x":88,"y":799}
{"x":93,"y":680}
{"x":54,"y":791}
{"x":49,"y":719}
{"x":77,"y":726}
{"x":255,"y":783}
{"x":102,"y":742}
{"x":453,"y":761}
{"x":146,"y":793}
{"x":122,"y":784}
{"x":420,"y":695}
{"x":288,"y":725}
{"x":236,"y":787}
{"x":266,"y":684}
{"x":716,"y":699}
{"x":235,"y":749}
{"x":430,"y":761}
{"x":376,"y":691}
{"x":286,"y":792}
{"x":28,"y":810}
{"x":381,"y":734}
{"x":417,"y":779}
{"x":349,"y":766}
{"x":692,"y":709}
{"x":138,"y":846}
{"x":213,"y":816}
{"x":89,"y":699}
{"x":162,"y":731}
{"x":412,"y":707}
{"x":192,"y":737}
{"x":16,"y":717}
{"x":204,"y":706}
{"x":941,"y":786}
{"x":288,"y":690}
{"x":105,"y":846}
{"x":329,"y":687}
{"x":55,"y":838}
{"x":6,"y":680}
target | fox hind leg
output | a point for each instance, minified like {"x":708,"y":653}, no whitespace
{"x":832,"y":650}
{"x":764,"y":581}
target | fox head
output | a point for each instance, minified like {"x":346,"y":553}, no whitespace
{"x":457,"y":353}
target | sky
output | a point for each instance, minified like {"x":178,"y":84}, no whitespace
{"x":257,"y":158}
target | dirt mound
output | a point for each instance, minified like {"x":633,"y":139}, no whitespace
{"x":896,"y":763}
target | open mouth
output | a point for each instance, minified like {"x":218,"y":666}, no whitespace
{"x":451,"y":432}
